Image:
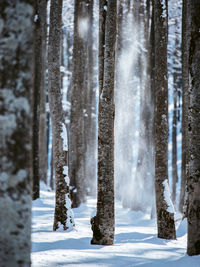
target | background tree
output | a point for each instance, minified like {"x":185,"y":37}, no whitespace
{"x":103,"y":223}
{"x":63,"y":214}
{"x":165,"y":213}
{"x":193,"y":175}
{"x":79,"y":104}
{"x":16,"y":85}
{"x":144,"y":169}
{"x":39,"y":106}
{"x":43,"y":157}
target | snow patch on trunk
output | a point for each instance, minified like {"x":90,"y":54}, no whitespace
{"x":164,"y":12}
{"x":167,"y":197}
{"x":64,"y":137}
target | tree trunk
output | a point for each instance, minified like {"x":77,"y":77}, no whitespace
{"x":165,"y":213}
{"x":16,"y":89}
{"x":174,"y":148}
{"x":193,"y":151}
{"x":36,"y":100}
{"x":41,"y":67}
{"x":63,"y":214}
{"x":103,"y":223}
{"x":77,"y":143}
{"x":185,"y":101}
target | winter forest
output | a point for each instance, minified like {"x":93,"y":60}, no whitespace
{"x":100,"y":133}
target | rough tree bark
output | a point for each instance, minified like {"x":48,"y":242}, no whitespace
{"x":77,"y":145}
{"x":16,"y":89}
{"x":165,"y":215}
{"x":103,"y":223}
{"x":193,"y":151}
{"x":186,"y":21}
{"x":63,"y":214}
{"x":43,"y":157}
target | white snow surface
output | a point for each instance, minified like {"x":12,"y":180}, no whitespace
{"x":136,"y":243}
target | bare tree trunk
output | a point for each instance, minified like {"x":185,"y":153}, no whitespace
{"x":77,"y":143}
{"x":103,"y":223}
{"x":16,"y":92}
{"x":36,"y":100}
{"x":41,"y":67}
{"x":185,"y":100}
{"x":174,"y":149}
{"x":165,"y":213}
{"x":63,"y":214}
{"x":193,"y":151}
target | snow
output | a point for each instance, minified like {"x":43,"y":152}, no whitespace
{"x":167,"y":197}
{"x":64,"y":137}
{"x":65,"y":172}
{"x":136,"y":243}
{"x":164,"y":13}
{"x":83,"y":25}
{"x":36,"y":18}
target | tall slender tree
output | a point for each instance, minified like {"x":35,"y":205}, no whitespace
{"x":63,"y":214}
{"x":77,"y":143}
{"x":103,"y":224}
{"x":16,"y":89}
{"x":186,"y":27}
{"x":165,"y":213}
{"x":39,"y":106}
{"x":43,"y":157}
{"x":193,"y":174}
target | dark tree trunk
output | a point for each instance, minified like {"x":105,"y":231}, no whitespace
{"x":193,"y":151}
{"x":63,"y":214}
{"x":16,"y":92}
{"x":103,"y":223}
{"x":165,"y":215}
{"x":41,"y":69}
{"x":77,"y":139}
{"x":185,"y":101}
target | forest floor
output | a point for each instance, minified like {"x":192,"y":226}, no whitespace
{"x":136,"y":243}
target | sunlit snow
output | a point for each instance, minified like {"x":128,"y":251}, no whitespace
{"x":136,"y":243}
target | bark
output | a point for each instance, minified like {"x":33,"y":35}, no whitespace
{"x":77,"y":148}
{"x":41,"y":69}
{"x":63,"y":215}
{"x":16,"y":89}
{"x":185,"y":101}
{"x":174,"y":149}
{"x":36,"y":104}
{"x":193,"y":151}
{"x":103,"y":223}
{"x":165,"y":215}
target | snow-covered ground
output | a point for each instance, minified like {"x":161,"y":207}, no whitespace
{"x":135,"y":244}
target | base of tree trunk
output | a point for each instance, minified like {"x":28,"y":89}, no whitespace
{"x":99,"y":236}
{"x":166,"y":227}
